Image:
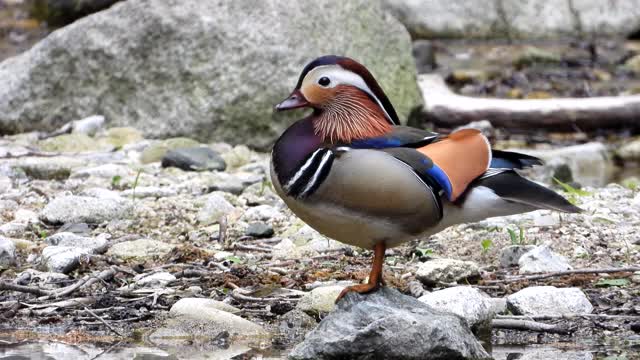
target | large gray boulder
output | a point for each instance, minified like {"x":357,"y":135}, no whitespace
{"x":516,"y":18}
{"x":388,"y":325}
{"x":211,"y":70}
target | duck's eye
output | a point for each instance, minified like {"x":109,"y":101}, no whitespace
{"x":324,"y":81}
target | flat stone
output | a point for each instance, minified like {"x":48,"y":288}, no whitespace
{"x":85,"y":209}
{"x":476,"y":307}
{"x":294,"y":325}
{"x":510,"y":255}
{"x":259,"y":229}
{"x":549,"y":300}
{"x":202,"y":320}
{"x":193,"y":306}
{"x":107,"y":171}
{"x":73,"y":143}
{"x":542,"y":259}
{"x":194,"y":159}
{"x":94,"y":245}
{"x":101,"y":193}
{"x":141,"y":249}
{"x":50,"y":168}
{"x":388,"y":325}
{"x":88,"y":126}
{"x":262,"y":213}
{"x":62,"y":259}
{"x":155,"y":280}
{"x":7,"y":252}
{"x":157,"y":150}
{"x":446,"y":270}
{"x":214,"y":208}
{"x":320,"y":300}
{"x":150,"y":191}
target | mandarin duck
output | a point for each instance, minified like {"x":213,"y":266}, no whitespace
{"x":353,"y":173}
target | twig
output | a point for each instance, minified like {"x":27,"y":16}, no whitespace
{"x":528,"y":325}
{"x":84,"y":282}
{"x":251,"y":248}
{"x":562,"y":273}
{"x":222,"y":232}
{"x":24,"y":289}
{"x":102,"y":321}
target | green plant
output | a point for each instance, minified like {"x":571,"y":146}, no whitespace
{"x":486,"y":245}
{"x":572,"y":193}
{"x":135,"y":183}
{"x":115,"y":181}
{"x":424,"y":252}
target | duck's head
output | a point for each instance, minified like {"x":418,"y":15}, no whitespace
{"x":348,"y":103}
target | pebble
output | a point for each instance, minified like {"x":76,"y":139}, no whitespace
{"x":214,"y":208}
{"x":7,"y":252}
{"x":542,"y":259}
{"x":260,"y":230}
{"x":88,"y":126}
{"x":476,"y":307}
{"x":62,"y":259}
{"x":141,"y":249}
{"x":262,"y":213}
{"x":157,"y":150}
{"x":446,"y":271}
{"x":549,"y":300}
{"x":94,"y":245}
{"x":141,"y":192}
{"x":194,"y":159}
{"x":155,"y":280}
{"x":186,"y":306}
{"x":50,"y":168}
{"x":107,"y":171}
{"x":320,"y":300}
{"x":510,"y":255}
{"x":84,"y":209}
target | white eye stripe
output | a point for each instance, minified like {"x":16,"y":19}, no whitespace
{"x":337,"y":75}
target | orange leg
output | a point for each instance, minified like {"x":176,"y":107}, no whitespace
{"x":375,"y":277}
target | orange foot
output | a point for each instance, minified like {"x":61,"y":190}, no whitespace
{"x":375,"y":277}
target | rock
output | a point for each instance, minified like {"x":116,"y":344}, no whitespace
{"x":259,"y":229}
{"x":141,"y":249}
{"x":425,"y":56}
{"x":121,"y":136}
{"x":589,"y":164}
{"x":13,"y":228}
{"x":215,"y":207}
{"x":107,"y":171}
{"x":194,"y":158}
{"x":446,"y":270}
{"x":81,"y":229}
{"x":320,"y":300}
{"x":540,"y":353}
{"x":25,"y":216}
{"x":515,"y":19}
{"x":201,"y":319}
{"x":510,"y":255}
{"x":62,"y":259}
{"x":7,"y":252}
{"x":542,"y":259}
{"x":476,"y":307}
{"x":155,"y":280}
{"x":73,"y":143}
{"x":156,"y":151}
{"x":49,"y":168}
{"x":195,"y":305}
{"x":88,"y":126}
{"x":239,"y":156}
{"x":150,"y":191}
{"x":381,"y":324}
{"x":630,"y":151}
{"x":97,"y":245}
{"x":101,"y":193}
{"x":549,"y":300}
{"x":633,"y":64}
{"x":260,"y":194}
{"x":232,"y":183}
{"x":536,"y":56}
{"x":262,"y":213}
{"x":85,"y":209}
{"x":214,"y":79}
{"x":294,"y":325}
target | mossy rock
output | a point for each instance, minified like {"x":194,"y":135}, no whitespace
{"x":157,"y":150}
{"x":120,"y":136}
{"x":73,"y":143}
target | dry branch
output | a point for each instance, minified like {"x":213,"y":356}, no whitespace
{"x":445,"y":108}
{"x":517,"y":324}
{"x":563,"y":273}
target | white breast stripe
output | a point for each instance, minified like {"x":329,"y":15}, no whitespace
{"x":303,"y":168}
{"x":314,"y":179}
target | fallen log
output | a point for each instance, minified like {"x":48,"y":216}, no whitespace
{"x":447,"y":109}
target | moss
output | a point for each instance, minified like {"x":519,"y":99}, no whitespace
{"x":156,"y":151}
{"x":72,"y":143}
